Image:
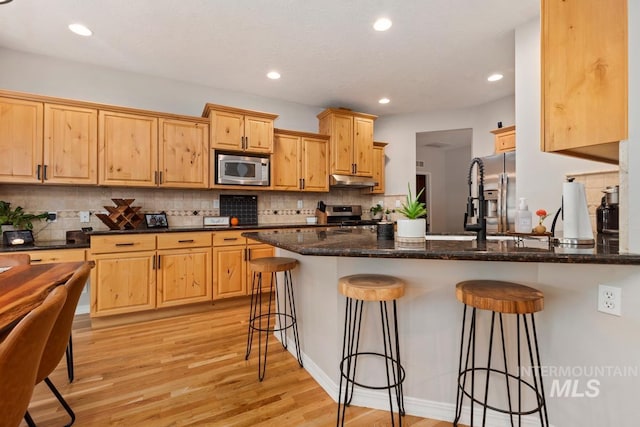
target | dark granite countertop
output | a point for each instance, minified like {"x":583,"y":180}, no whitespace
{"x":61,"y":244}
{"x":363,"y":242}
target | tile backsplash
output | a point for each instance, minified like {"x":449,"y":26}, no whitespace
{"x":183,"y":207}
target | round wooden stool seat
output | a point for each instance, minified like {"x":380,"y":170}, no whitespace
{"x":499,"y":296}
{"x":371,"y":287}
{"x":272,"y":264}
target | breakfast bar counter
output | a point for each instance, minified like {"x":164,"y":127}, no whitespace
{"x":578,"y":344}
{"x":362,"y":241}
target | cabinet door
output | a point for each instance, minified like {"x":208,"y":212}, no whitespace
{"x":183,"y":276}
{"x":584,"y":77}
{"x":258,"y":133}
{"x":183,"y":154}
{"x":363,"y":146}
{"x":255,"y":252}
{"x":505,"y":142}
{"x":20,"y":140}
{"x":285,"y":163}
{"x":70,"y":145}
{"x":128,"y":149}
{"x":230,"y":272}
{"x":315,"y":164}
{"x":342,"y":145}
{"x":123,"y":283}
{"x":227,"y":130}
{"x":378,"y":169}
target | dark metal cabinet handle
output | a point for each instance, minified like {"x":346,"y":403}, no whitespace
{"x":125,"y":244}
{"x":155,"y":177}
{"x":45,"y":172}
{"x":38,"y":172}
{"x":230,"y":238}
{"x":186,"y":241}
{"x":159,"y":262}
{"x":160,"y":180}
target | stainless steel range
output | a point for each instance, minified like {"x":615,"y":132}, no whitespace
{"x":345,"y":215}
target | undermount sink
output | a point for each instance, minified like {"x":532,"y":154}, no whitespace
{"x":464,"y":237}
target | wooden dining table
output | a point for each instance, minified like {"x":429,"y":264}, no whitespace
{"x":24,"y":287}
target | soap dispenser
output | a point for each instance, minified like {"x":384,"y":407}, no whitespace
{"x":524,"y":223}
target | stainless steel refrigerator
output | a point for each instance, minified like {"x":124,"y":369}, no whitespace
{"x":500,"y":191}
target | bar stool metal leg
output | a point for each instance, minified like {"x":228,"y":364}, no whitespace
{"x":350,"y":352}
{"x":283,"y":312}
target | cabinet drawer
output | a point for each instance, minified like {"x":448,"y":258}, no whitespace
{"x":59,"y":255}
{"x":228,"y":238}
{"x":183,"y":240}
{"x":125,"y":243}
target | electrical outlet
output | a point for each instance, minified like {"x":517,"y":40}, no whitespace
{"x":610,"y":300}
{"x":300,"y":205}
{"x":84,"y":216}
{"x":216,"y":203}
{"x":52,"y":216}
{"x":398,"y":204}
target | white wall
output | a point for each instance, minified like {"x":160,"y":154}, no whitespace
{"x":66,"y":79}
{"x":457,"y":188}
{"x":434,"y":164}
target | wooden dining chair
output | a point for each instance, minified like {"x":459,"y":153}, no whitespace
{"x":11,"y":260}
{"x":60,"y":333}
{"x":20,"y":355}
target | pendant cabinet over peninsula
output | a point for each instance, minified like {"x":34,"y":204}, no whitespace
{"x":584,"y":77}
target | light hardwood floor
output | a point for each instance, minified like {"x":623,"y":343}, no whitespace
{"x":190,"y":370}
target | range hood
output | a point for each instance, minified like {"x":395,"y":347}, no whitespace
{"x":349,"y":181}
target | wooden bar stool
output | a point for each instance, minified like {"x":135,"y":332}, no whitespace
{"x":501,"y":298}
{"x":358,"y":289}
{"x":285,"y":308}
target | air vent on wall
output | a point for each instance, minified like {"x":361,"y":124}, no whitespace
{"x":419,"y":164}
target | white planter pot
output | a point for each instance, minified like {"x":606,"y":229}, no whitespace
{"x":411,"y":230}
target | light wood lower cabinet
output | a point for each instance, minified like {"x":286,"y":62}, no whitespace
{"x":231,"y":256}
{"x":123,"y":282}
{"x":140,"y":272}
{"x":144,"y":271}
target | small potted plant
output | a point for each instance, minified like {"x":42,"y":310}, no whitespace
{"x":414,"y":226}
{"x":13,"y":220}
{"x":540,"y":228}
{"x":376,"y":211}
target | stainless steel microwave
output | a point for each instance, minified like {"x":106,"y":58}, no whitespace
{"x":233,"y":169}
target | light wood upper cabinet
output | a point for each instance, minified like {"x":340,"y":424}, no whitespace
{"x":351,"y":142}
{"x":378,"y":167}
{"x":21,"y":141}
{"x":128,"y":149}
{"x":505,"y":139}
{"x":300,"y":161}
{"x":584,"y":77}
{"x":70,"y":145}
{"x":183,"y":154}
{"x":234,"y":129}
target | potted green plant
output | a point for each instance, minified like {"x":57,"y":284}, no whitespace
{"x":17,"y":219}
{"x":376,"y":211}
{"x":413,"y":227}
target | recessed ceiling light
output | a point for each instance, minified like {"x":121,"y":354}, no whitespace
{"x":384,"y":100}
{"x":80,"y":29}
{"x":382,"y":24}
{"x":495,"y":77}
{"x":273,"y":75}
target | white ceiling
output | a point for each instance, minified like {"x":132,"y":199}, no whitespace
{"x":437,"y":54}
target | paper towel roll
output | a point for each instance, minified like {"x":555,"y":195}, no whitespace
{"x":575,"y":215}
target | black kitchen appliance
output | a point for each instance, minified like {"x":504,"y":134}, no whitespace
{"x":607,"y":215}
